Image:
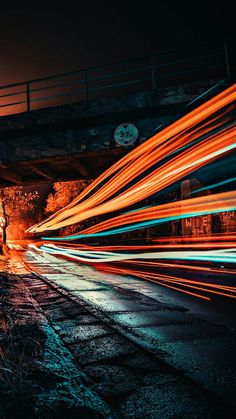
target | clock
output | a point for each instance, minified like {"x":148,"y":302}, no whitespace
{"x":126,"y":134}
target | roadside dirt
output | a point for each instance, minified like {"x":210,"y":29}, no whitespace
{"x":38,"y":377}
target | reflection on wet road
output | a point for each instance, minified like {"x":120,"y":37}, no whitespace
{"x":11,"y":263}
{"x":195,"y":336}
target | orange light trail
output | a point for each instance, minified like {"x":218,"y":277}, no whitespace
{"x":221,"y":290}
{"x":196,"y":140}
{"x":145,"y":156}
{"x":224,"y":201}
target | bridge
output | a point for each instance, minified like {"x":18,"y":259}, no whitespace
{"x":62,"y":127}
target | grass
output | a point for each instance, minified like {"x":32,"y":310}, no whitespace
{"x":20,"y":344}
{"x":18,"y":347}
{"x":32,"y":386}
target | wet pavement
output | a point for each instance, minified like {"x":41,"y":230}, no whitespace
{"x":142,"y":350}
{"x":192,"y":336}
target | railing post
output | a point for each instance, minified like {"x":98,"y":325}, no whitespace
{"x":154,"y":78}
{"x":28,"y":96}
{"x":227,"y":63}
{"x":86,"y":86}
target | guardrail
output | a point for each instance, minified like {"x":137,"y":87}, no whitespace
{"x":152,"y":72}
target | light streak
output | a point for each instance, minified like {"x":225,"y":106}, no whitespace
{"x":214,"y":185}
{"x":157,"y":180}
{"x":216,"y":255}
{"x":180,"y":133}
{"x":179,"y":282}
{"x":209,"y":204}
{"x":190,"y":144}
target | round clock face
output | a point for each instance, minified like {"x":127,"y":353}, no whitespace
{"x":126,"y":134}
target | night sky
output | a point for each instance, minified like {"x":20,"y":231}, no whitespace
{"x":36,"y":42}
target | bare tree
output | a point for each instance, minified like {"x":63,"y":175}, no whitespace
{"x":13,"y":202}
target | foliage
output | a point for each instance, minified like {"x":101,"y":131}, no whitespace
{"x":15,"y":201}
{"x":64,"y":193}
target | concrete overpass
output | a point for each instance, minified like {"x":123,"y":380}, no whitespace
{"x":76,"y":140}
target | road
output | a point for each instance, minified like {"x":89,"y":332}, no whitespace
{"x":146,"y":351}
{"x":196,"y":337}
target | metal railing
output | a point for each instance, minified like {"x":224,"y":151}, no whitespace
{"x":152,"y":72}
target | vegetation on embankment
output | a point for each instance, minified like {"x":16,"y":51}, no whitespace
{"x":38,"y":379}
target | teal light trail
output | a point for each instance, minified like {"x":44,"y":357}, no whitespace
{"x":214,"y":185}
{"x":137,"y":226}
